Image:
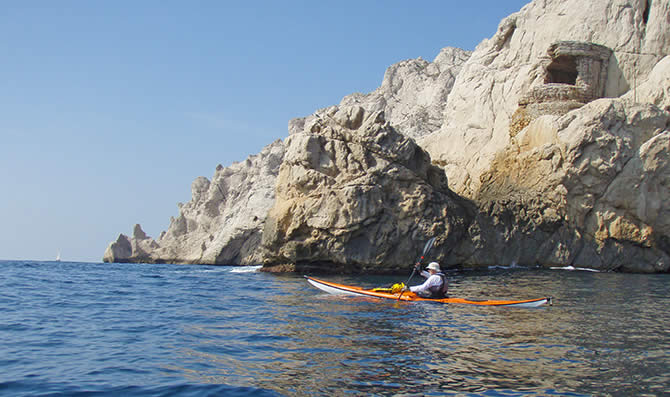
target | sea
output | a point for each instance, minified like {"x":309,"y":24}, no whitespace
{"x":94,"y":329}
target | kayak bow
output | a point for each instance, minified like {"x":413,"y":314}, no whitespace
{"x":341,"y":289}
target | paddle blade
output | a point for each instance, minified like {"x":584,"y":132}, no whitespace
{"x":427,"y":247}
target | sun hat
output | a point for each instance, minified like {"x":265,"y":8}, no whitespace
{"x":434,"y":266}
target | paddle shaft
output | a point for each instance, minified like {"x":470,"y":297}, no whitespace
{"x":426,"y":248}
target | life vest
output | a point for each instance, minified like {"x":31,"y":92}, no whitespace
{"x":439,"y":291}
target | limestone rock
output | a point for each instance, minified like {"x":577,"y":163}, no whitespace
{"x":655,"y":88}
{"x":119,"y":251}
{"x":220,"y":225}
{"x":555,"y":130}
{"x":412,"y":95}
{"x":583,"y":189}
{"x":138,"y":233}
{"x":135,"y":249}
{"x":506,"y":67}
{"x":353,"y":194}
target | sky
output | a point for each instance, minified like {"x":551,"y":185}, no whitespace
{"x":110,"y":109}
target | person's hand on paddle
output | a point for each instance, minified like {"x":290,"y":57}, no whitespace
{"x":426,"y":248}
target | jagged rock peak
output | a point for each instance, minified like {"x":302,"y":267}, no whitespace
{"x":412,"y":95}
{"x":119,"y":250}
{"x":354,"y":194}
{"x":221,"y":223}
{"x":138,"y":233}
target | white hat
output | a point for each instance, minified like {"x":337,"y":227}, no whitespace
{"x":434,"y":266}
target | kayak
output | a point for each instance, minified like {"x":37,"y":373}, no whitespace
{"x":408,"y":296}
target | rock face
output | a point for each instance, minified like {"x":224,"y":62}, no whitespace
{"x":119,"y":251}
{"x":655,"y":89}
{"x":512,"y":63}
{"x":221,"y":224}
{"x":413,"y":92}
{"x":412,"y":95}
{"x":555,"y":133}
{"x":135,"y":249}
{"x":353,"y":195}
{"x":560,"y":176}
{"x":588,"y":188}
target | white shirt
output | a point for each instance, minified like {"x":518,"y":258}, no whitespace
{"x":431,"y":281}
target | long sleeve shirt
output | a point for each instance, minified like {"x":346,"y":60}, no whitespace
{"x":431,"y":280}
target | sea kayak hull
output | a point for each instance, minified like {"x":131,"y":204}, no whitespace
{"x":408,"y":296}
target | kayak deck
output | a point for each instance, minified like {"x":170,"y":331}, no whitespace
{"x":341,"y":289}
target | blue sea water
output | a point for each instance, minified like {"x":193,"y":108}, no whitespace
{"x":139,"y":329}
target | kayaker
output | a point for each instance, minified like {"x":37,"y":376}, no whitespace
{"x":435,"y":286}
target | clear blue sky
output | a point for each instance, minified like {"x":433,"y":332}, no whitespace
{"x":110,"y":109}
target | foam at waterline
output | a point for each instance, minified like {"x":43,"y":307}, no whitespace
{"x":571,"y":268}
{"x":246,"y":269}
{"x":513,"y":265}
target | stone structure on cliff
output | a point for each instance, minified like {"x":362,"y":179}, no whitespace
{"x":574,"y":73}
{"x":355,"y":195}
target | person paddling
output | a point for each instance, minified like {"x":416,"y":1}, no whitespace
{"x":435,"y":286}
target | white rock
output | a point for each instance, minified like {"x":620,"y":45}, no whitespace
{"x":502,"y":69}
{"x":355,"y":194}
{"x":223,"y":221}
{"x":412,"y":95}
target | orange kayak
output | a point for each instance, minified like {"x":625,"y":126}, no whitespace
{"x":340,"y":289}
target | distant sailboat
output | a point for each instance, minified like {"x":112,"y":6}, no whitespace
{"x":58,"y":257}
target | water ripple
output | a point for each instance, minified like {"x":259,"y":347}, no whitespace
{"x":111,"y":329}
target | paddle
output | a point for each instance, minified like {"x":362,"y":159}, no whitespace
{"x":426,"y":248}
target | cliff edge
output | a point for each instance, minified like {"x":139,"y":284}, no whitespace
{"x":548,"y":145}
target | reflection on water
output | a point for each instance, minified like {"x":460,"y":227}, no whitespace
{"x":607,"y":333}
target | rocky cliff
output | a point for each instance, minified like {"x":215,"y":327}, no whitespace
{"x":587,"y":188}
{"x":505,"y":68}
{"x":560,"y":176}
{"x":412,"y":94}
{"x":221,"y":224}
{"x":554,"y":132}
{"x":354,"y":195}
